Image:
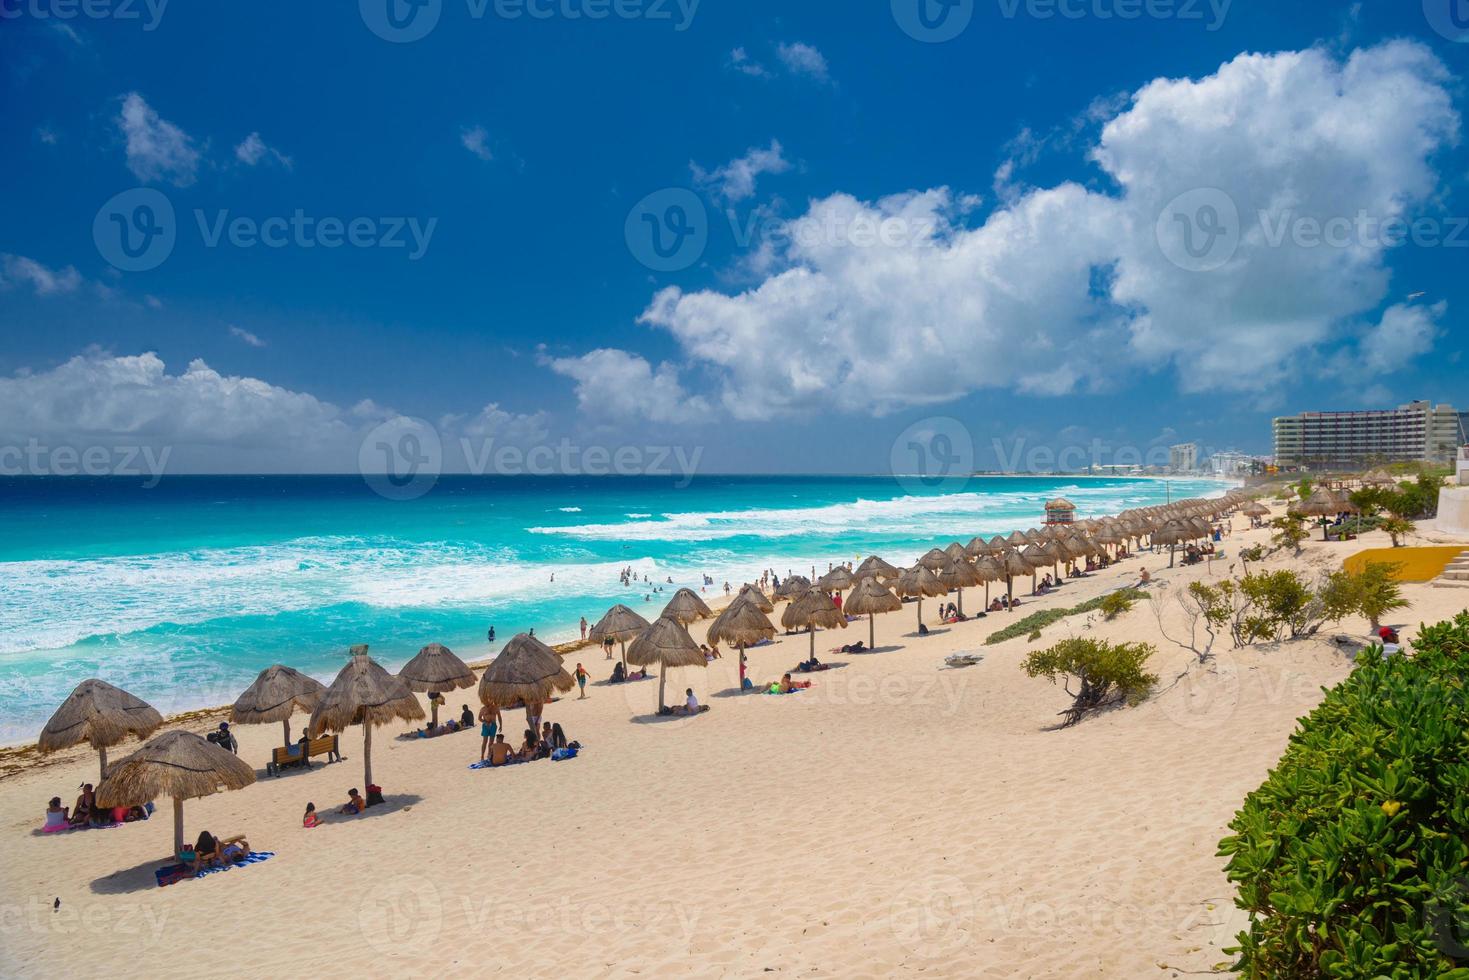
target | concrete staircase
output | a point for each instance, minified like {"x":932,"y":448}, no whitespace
{"x":1455,"y":574}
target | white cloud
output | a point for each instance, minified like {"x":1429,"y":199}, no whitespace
{"x":1404,"y":334}
{"x":46,"y":135}
{"x":19,"y":270}
{"x":245,"y":336}
{"x":875,"y":305}
{"x":67,"y":31}
{"x":803,"y":59}
{"x":735,"y":181}
{"x":614,"y":385}
{"x":252,"y":150}
{"x":476,"y":140}
{"x":156,"y":148}
{"x":740,"y":61}
{"x":211,"y":422}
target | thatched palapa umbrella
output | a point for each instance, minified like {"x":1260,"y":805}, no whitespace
{"x":525,"y":671}
{"x":869,"y":597}
{"x":741,"y":624}
{"x":919,"y":582}
{"x":100,"y":715}
{"x":1322,"y":504}
{"x":959,"y":575}
{"x":436,"y":669}
{"x":364,"y":694}
{"x":874,"y":565}
{"x":686,"y":607}
{"x":667,"y":644}
{"x":793,"y":586}
{"x":752,"y":594}
{"x":277,"y":693}
{"x":620,"y":624}
{"x":176,"y":764}
{"x":935,"y":559}
{"x":1012,"y":563}
{"x":811,"y":609}
{"x":836,"y":580}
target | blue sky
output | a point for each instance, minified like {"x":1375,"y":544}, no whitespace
{"x":976,"y":230}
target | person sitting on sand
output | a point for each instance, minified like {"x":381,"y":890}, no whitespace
{"x":786,"y":685}
{"x":922,"y":630}
{"x":618,"y":673}
{"x":547,"y":743}
{"x":466,"y":718}
{"x":1144,"y":576}
{"x":84,"y":812}
{"x":489,"y":723}
{"x":355,"y":803}
{"x":56,"y":816}
{"x":500,"y":753}
{"x":690,"y":704}
{"x":527,"y":750}
{"x":558,"y":737}
{"x":205,"y":852}
{"x":310,"y":819}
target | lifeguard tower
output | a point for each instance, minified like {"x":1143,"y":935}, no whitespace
{"x":1060,"y":511}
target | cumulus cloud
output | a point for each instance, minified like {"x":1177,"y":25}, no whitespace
{"x":736,"y":180}
{"x":245,"y":336}
{"x":740,"y":61}
{"x":803,"y":59}
{"x":870,"y":304}
{"x":156,"y":148}
{"x":211,"y":422}
{"x":17,"y":270}
{"x":252,"y":150}
{"x":614,"y":385}
{"x":1404,"y":334}
{"x":476,"y":139}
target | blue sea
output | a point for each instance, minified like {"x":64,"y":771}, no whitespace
{"x":182,"y":592}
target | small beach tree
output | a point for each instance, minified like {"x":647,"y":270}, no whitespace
{"x":1397,"y":528}
{"x":1379,"y":592}
{"x":1290,"y":532}
{"x":1103,"y":674}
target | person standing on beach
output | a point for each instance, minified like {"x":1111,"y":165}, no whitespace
{"x":583,"y":628}
{"x":581,"y":681}
{"x":489,"y":724}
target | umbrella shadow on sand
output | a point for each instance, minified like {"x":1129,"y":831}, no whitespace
{"x":664,"y":719}
{"x":932,"y":631}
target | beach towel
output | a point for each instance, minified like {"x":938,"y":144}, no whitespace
{"x":560,"y":754}
{"x":486,"y":764}
{"x":172,"y":873}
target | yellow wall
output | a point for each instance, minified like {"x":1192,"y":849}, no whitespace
{"x":1419,"y":564}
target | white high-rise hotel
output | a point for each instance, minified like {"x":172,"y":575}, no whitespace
{"x":1418,"y":431}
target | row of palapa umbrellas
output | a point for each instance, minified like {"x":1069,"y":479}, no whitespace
{"x":182,"y":765}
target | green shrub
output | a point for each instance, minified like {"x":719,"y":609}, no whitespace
{"x":1352,"y":859}
{"x":1114,"y":604}
{"x":1104,"y":674}
{"x":1042,"y":618}
{"x":1378,"y":591}
{"x":1290,"y":532}
{"x":1397,"y":528}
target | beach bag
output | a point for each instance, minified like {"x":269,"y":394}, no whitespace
{"x":566,"y":753}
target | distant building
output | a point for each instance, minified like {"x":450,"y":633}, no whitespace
{"x":1183,"y":458}
{"x":1416,"y":432}
{"x":1231,"y":464}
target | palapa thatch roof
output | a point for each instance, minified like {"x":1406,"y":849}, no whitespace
{"x":934,"y":559}
{"x":668,"y":644}
{"x":836,"y":580}
{"x":871,"y":596}
{"x":1379,"y":478}
{"x":812,"y":608}
{"x":957,"y":552}
{"x":686,"y":607}
{"x":1322,"y":503}
{"x":959,"y":575}
{"x":873,"y":565}
{"x":620,"y":624}
{"x":753,"y":595}
{"x":978,"y":548}
{"x":1060,"y":503}
{"x":919,"y":581}
{"x":363,"y":693}
{"x":741,"y":624}
{"x":278,"y":693}
{"x":436,"y":669}
{"x":989,"y":569}
{"x":1013,"y":563}
{"x":1256,"y":509}
{"x":525,"y":670}
{"x":176,"y":764}
{"x":1018,"y":539}
{"x":100,"y":715}
{"x":792,"y":585}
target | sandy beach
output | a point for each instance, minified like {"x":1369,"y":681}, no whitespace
{"x":900,"y":818}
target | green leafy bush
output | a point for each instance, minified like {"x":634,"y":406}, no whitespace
{"x":1397,"y":528}
{"x":1352,"y":859}
{"x":1114,"y":604}
{"x":1103,"y":673}
{"x":1042,"y":618}
{"x":1290,"y":532}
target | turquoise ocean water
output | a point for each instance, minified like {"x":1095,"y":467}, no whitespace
{"x":181,"y":593}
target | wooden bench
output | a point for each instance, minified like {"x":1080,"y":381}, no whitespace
{"x":285,"y":758}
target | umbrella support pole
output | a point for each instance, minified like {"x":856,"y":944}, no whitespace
{"x":920,"y":613}
{"x":871,"y":632}
{"x":961,"y":602}
{"x":286,"y":731}
{"x":434,"y":722}
{"x":623,"y":644}
{"x":366,"y":755}
{"x":178,"y":827}
{"x":102,"y":757}
{"x":662,"y":683}
{"x":812,"y":630}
